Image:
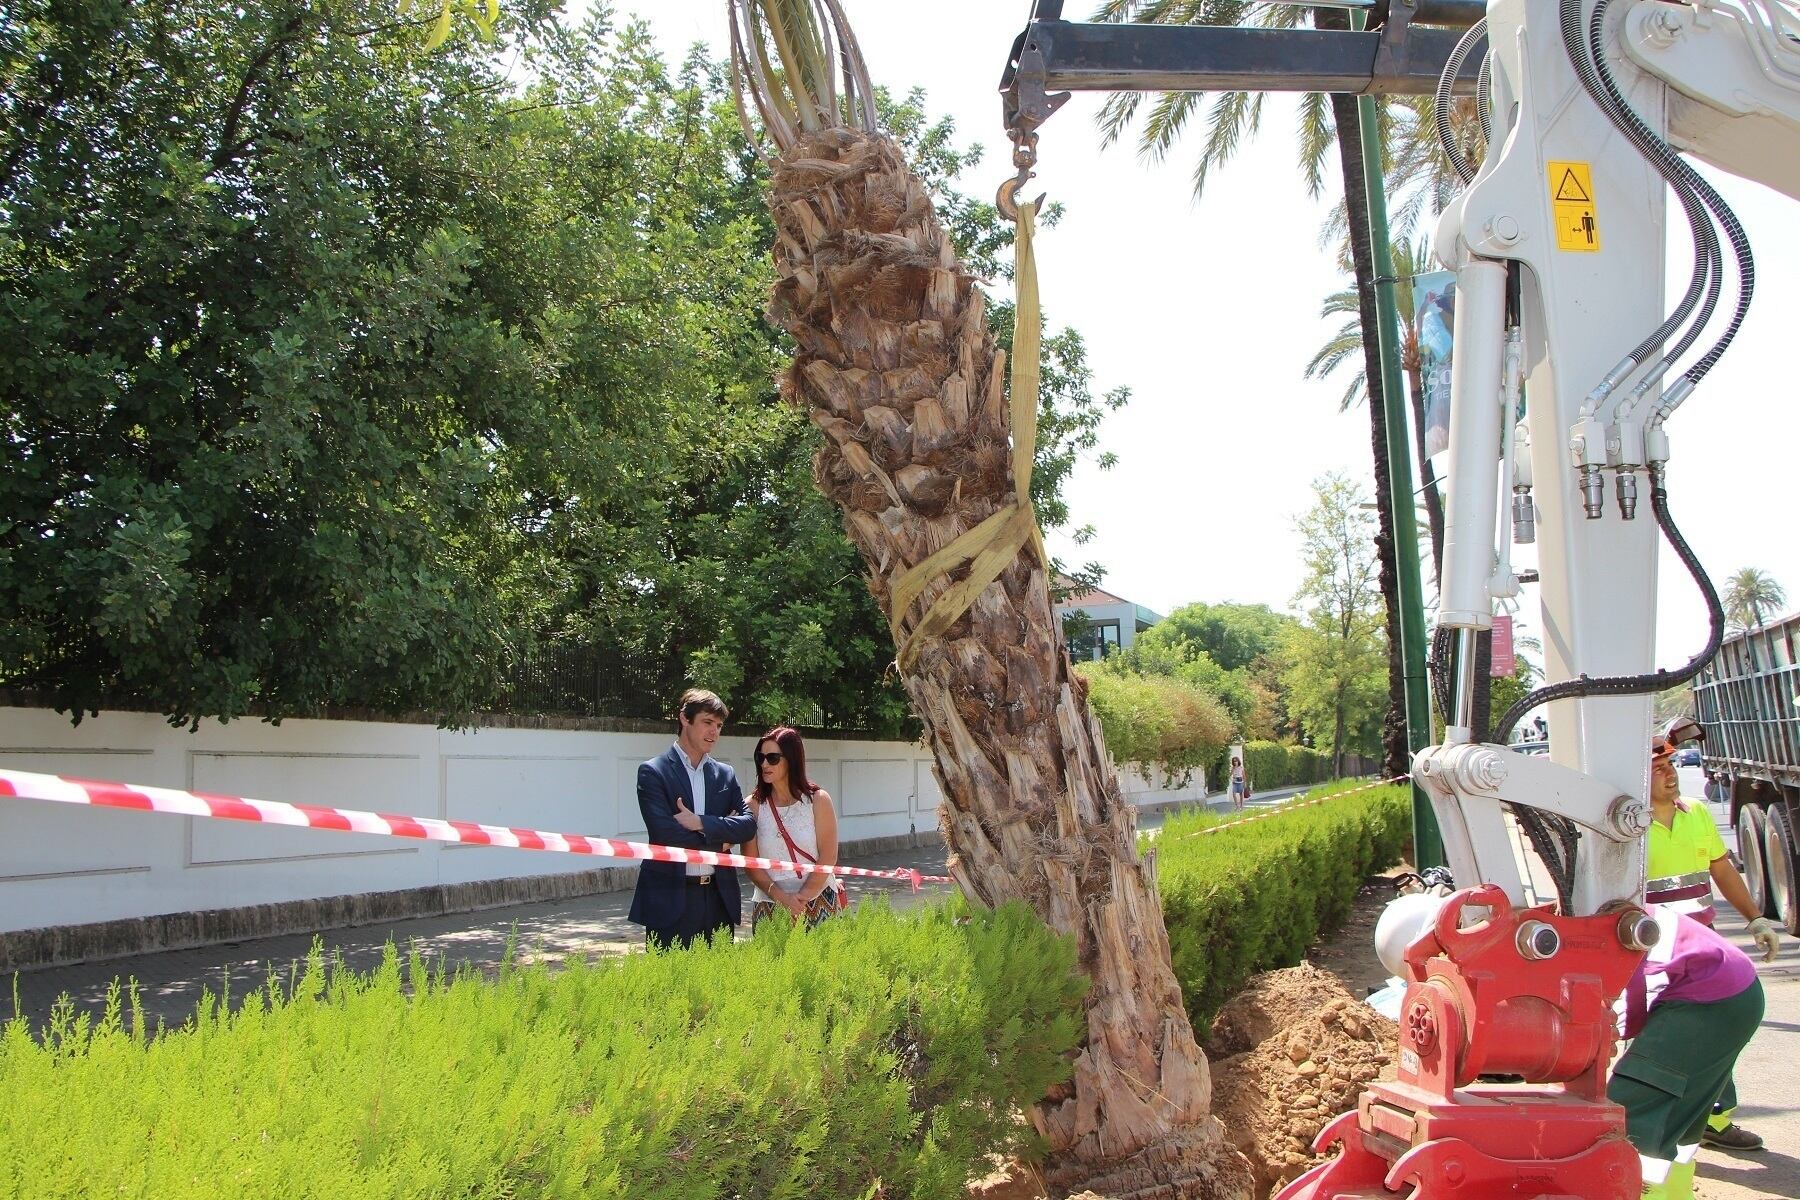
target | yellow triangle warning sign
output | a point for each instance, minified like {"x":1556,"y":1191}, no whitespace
{"x":1569,"y":188}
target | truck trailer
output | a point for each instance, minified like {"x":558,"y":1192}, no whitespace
{"x":1748,"y":698}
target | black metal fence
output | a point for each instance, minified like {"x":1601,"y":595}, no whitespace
{"x":578,"y":680}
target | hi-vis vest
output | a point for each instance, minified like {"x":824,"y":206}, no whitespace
{"x":1680,"y":862}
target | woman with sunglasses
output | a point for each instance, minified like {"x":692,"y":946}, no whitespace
{"x":795,"y":822}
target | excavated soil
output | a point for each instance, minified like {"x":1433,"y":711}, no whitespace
{"x":1290,"y":1052}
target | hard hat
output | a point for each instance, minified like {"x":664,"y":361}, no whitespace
{"x":1678,"y":732}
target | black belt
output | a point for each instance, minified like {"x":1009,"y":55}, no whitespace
{"x":699,"y":880}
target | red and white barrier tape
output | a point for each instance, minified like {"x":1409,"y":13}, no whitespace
{"x":60,"y":789}
{"x":1300,"y":803}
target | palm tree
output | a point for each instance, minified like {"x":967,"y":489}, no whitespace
{"x":1232,"y":117}
{"x":895,"y":364}
{"x":1410,"y":260}
{"x":1748,"y":594}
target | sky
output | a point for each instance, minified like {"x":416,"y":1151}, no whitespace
{"x":1208,"y":311}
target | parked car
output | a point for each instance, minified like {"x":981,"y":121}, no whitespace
{"x":1687,"y":756}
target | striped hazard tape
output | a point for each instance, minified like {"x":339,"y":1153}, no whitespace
{"x":61,"y":789}
{"x":1298,"y":802}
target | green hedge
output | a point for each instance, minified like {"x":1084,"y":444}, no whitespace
{"x":1255,"y":897}
{"x":1275,"y":764}
{"x":875,"y":1054}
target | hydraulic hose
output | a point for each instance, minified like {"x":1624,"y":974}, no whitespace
{"x":1440,"y":99}
{"x":1607,"y":98}
{"x":1662,"y":152}
{"x":1655,"y":681}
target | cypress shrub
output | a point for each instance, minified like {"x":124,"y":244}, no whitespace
{"x":876,"y":1054}
{"x":1255,"y":897}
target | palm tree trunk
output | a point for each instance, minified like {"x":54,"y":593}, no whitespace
{"x":1337,"y":741}
{"x":896,"y":366}
{"x":1396,"y":756}
{"x":1434,"y":503}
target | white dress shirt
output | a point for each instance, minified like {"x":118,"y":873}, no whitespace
{"x":697,"y":787}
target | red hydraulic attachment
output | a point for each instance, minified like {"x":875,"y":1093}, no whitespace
{"x":1522,"y":992}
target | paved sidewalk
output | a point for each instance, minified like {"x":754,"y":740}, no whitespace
{"x":171,"y":983}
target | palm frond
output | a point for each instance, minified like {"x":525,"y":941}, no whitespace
{"x":1116,"y":114}
{"x":800,"y":64}
{"x":1164,"y":124}
{"x":1316,"y":137}
{"x":1232,"y":114}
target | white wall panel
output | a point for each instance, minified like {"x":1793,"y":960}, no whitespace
{"x":62,"y":865}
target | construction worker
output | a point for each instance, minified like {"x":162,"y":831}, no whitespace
{"x":1686,"y":859}
{"x":1691,"y":1008}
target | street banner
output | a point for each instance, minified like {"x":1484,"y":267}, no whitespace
{"x":1434,"y":317}
{"x":1503,"y":662}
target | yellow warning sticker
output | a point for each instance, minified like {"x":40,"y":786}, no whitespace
{"x":1572,"y":204}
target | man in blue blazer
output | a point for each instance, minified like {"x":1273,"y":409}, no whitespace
{"x":691,"y":801}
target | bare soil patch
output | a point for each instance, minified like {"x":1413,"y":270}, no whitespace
{"x":1289,"y":1052}
{"x":1296,"y":1046}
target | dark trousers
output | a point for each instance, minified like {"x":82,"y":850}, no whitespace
{"x":702,"y":916}
{"x":1678,"y":1065}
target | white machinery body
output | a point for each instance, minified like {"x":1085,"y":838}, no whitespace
{"x":1584,"y":305}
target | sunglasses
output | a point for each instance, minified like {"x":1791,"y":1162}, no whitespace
{"x":773,"y":756}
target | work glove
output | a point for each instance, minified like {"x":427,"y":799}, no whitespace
{"x":1768,"y":937}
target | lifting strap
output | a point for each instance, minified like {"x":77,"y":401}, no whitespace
{"x":990,"y":547}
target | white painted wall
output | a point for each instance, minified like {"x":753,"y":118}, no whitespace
{"x":64,"y":865}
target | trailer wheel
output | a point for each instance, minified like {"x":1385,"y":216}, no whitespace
{"x":1752,"y":830}
{"x":1778,"y":845}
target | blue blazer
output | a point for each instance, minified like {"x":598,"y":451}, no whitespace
{"x":725,"y":820}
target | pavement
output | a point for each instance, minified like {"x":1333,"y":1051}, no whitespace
{"x":170,"y":984}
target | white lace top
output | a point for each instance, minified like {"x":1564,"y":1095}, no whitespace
{"x":799,"y":821}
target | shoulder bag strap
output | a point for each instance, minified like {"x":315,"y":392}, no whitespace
{"x":795,"y":853}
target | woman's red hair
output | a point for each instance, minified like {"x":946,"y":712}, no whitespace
{"x":793,"y":749}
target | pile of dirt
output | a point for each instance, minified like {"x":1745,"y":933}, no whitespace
{"x":1290,"y":1052}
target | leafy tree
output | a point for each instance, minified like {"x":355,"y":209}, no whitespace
{"x":277,"y":364}
{"x":1748,"y":595}
{"x":1217,"y":648}
{"x":350,"y":374}
{"x":1335,"y":678}
{"x":1233,"y":635}
{"x":1164,"y":725}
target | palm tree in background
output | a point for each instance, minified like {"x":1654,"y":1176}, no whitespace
{"x":1411,"y":259}
{"x":1409,"y":143}
{"x":1749,"y":594}
{"x":896,"y":365}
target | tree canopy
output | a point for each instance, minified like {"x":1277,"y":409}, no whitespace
{"x":1336,"y":676}
{"x":1751,"y":596}
{"x":349,"y":374}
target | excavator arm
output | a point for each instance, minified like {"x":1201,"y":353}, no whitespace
{"x":1567,"y":367}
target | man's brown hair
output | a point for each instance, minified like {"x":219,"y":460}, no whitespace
{"x":695,"y":701}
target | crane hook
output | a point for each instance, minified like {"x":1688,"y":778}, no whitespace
{"x":1024,"y":158}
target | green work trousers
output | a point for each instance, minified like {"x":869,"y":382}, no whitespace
{"x":1677,"y":1066}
